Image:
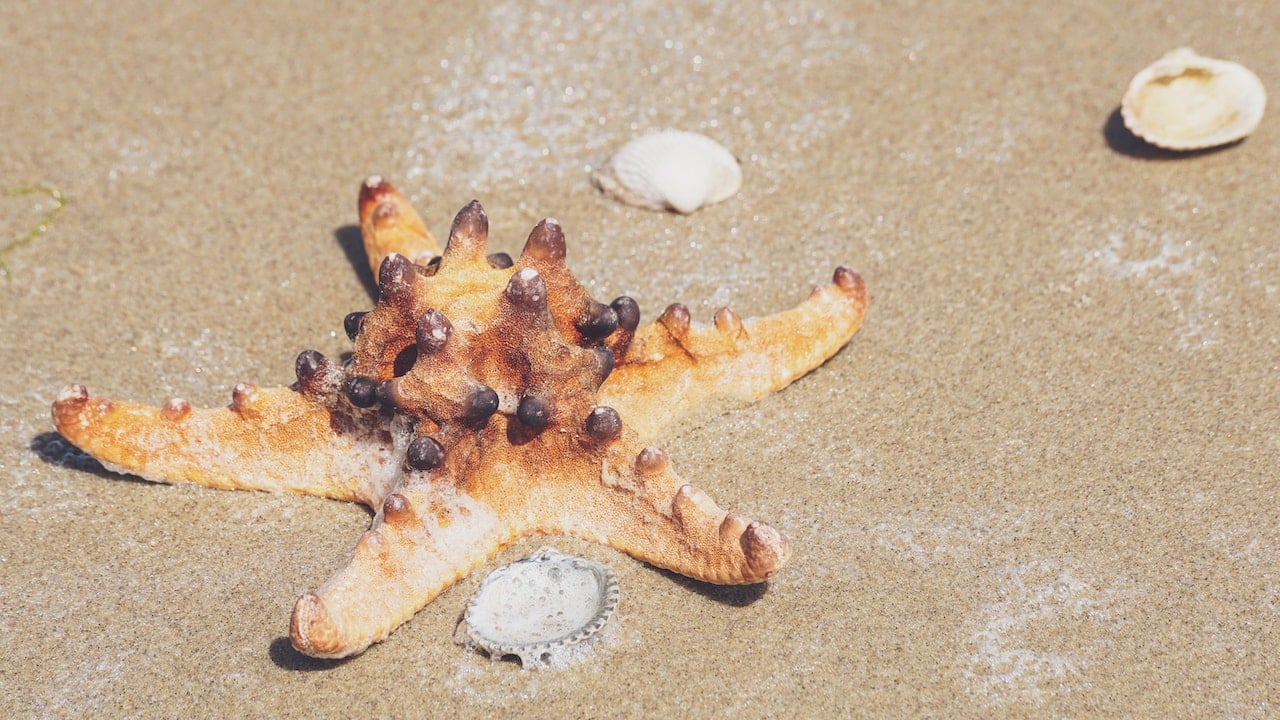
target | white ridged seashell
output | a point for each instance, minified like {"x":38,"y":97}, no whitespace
{"x":672,"y":169}
{"x":537,"y":605}
{"x":1185,"y":101}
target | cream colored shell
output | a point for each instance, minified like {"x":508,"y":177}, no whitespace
{"x":670,"y":170}
{"x":1184,"y":101}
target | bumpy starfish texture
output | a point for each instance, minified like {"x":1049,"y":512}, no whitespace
{"x":486,"y":400}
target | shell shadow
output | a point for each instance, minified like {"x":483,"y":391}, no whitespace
{"x":1124,"y":142}
{"x":286,"y":657}
{"x":352,"y":244}
{"x":734,"y":595}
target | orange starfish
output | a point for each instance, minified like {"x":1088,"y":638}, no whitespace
{"x":486,"y":400}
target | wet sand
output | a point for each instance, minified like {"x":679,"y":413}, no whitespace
{"x":1041,"y":481}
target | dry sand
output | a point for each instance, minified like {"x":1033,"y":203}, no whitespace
{"x":1041,"y":481}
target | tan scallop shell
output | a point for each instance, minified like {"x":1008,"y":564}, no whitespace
{"x":538,"y":605}
{"x":1185,"y":101}
{"x":672,"y":169}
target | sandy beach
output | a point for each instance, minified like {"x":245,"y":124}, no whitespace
{"x":1040,"y":481}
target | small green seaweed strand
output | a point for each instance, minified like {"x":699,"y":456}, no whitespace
{"x":40,"y":228}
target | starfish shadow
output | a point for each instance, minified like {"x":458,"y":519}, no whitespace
{"x":286,"y":657}
{"x":735,"y":595}
{"x":54,"y":449}
{"x":1124,"y":142}
{"x":348,"y":238}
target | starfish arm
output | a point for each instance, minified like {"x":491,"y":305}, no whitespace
{"x":674,"y":366}
{"x":426,"y":537}
{"x":643,"y":508}
{"x":389,"y":224}
{"x":272,"y":439}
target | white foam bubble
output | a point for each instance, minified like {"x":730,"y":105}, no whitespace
{"x":1008,"y":659}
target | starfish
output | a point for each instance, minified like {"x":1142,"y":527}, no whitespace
{"x":486,"y":400}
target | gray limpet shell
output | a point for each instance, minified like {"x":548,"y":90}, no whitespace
{"x":546,"y":601}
